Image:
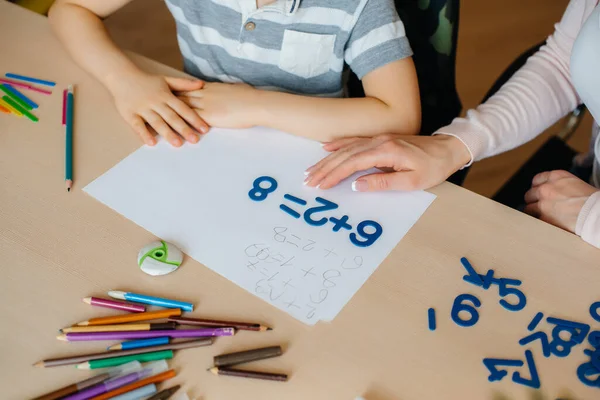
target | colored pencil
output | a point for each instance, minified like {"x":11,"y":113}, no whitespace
{"x":21,"y":96}
{"x":10,"y":101}
{"x":249,"y":374}
{"x":30,"y":79}
{"x":241,"y":357}
{"x":124,"y":335}
{"x":11,"y":93}
{"x":138,"y":344}
{"x":246,"y":326}
{"x":56,"y":362}
{"x":64,"y":108}
{"x":137,"y":394}
{"x":25,"y":86}
{"x":4,"y":109}
{"x":74,"y":388}
{"x":115,"y":304}
{"x":69,"y":140}
{"x":107,"y":386}
{"x":120,"y":328}
{"x":10,"y":108}
{"x":154,"y":301}
{"x":112,"y":362}
{"x":165,"y":394}
{"x":151,"y":379}
{"x":121,"y":319}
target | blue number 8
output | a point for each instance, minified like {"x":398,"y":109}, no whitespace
{"x":370,"y":237}
{"x":258,"y":193}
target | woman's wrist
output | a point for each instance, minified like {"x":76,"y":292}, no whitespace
{"x":457,"y":152}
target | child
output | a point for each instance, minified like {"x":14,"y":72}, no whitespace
{"x":274,"y":63}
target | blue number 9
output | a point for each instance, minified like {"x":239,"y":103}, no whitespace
{"x":370,"y":237}
{"x":258,"y":193}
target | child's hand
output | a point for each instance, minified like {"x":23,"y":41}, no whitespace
{"x":225,"y":105}
{"x":148,"y":99}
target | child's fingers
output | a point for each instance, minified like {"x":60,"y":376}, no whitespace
{"x":162,"y":128}
{"x":139,"y":127}
{"x":193,"y":102}
{"x":176,"y":123}
{"x":182,"y":84}
{"x":189,"y":115}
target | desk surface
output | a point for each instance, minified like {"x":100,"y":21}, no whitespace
{"x":57,"y":248}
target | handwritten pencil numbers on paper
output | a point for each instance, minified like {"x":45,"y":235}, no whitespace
{"x":279,"y":234}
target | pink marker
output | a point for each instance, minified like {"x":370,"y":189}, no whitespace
{"x":24,"y":86}
{"x":64,"y":110}
{"x":115,"y":304}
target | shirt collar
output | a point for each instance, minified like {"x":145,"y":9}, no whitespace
{"x":287,"y":7}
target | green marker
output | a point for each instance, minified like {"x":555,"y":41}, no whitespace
{"x":112,"y":362}
{"x":19,"y":108}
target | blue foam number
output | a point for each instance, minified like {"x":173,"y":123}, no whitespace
{"x":506,"y":291}
{"x":458,"y":306}
{"x":492,"y":365}
{"x":258,"y":193}
{"x":326,"y":206}
{"x":542,"y":337}
{"x":534,"y":380}
{"x":473,"y":277}
{"x":341,"y":223}
{"x":370,"y":237}
{"x":431,"y":317}
{"x":594,"y":308}
{"x":585,"y":372}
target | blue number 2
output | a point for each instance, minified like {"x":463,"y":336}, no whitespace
{"x":326,"y":206}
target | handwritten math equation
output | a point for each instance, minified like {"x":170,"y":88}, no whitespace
{"x":367,"y":232}
{"x":565,"y":334}
{"x":300,"y":276}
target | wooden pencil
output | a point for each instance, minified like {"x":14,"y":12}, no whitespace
{"x":67,"y":390}
{"x":121,"y":319}
{"x":241,"y":357}
{"x":120,"y":327}
{"x":249,"y":374}
{"x":188,"y":344}
{"x":132,"y":386}
{"x":247,"y":326}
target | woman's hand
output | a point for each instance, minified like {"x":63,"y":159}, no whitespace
{"x":415,"y":162}
{"x":144,"y":99}
{"x":225,"y":105}
{"x":557,"y":197}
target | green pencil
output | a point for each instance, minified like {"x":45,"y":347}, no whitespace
{"x":15,"y":98}
{"x":19,"y":108}
{"x":112,"y":362}
{"x":69,"y":140}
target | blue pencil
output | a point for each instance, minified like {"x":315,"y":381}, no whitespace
{"x":20,"y":95}
{"x":69,"y":141}
{"x":153,"y":301}
{"x":30,"y":79}
{"x":136,"y":344}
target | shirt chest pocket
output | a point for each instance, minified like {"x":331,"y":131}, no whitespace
{"x":306,"y":54}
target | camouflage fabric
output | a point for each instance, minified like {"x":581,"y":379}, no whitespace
{"x":432,"y":29}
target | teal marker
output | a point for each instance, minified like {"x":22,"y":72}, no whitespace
{"x":153,"y":301}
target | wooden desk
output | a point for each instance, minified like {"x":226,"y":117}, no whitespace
{"x":56,"y":248}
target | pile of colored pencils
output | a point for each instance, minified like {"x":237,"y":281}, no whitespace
{"x":13,"y":101}
{"x":148,"y":335}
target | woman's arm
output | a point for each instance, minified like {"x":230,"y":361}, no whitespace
{"x":140,"y":98}
{"x":537,"y":96}
{"x":391,"y":105}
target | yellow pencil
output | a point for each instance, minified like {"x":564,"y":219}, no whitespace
{"x":10,"y":108}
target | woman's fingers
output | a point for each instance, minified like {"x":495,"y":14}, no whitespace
{"x":162,"y":128}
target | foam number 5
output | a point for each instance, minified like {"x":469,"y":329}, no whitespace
{"x":458,"y":306}
{"x":370,"y":238}
{"x":258,"y":191}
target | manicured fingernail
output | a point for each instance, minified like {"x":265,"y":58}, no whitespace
{"x":306,"y":181}
{"x":360,"y":185}
{"x":194,"y":139}
{"x":307,"y":172}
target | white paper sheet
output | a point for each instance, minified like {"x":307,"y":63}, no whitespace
{"x":197,"y":197}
